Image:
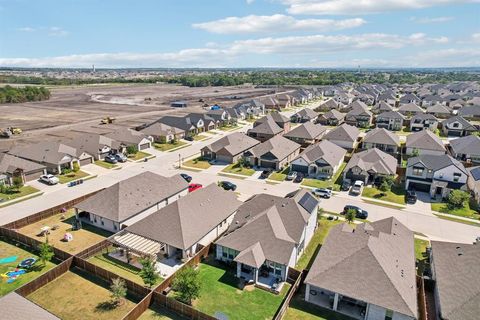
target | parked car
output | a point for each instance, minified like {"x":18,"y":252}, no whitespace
{"x":120,"y":157}
{"x":291,"y":175}
{"x":227,"y":185}
{"x":189,"y":138}
{"x":186,"y":177}
{"x":49,"y":179}
{"x":345,"y":185}
{"x":357,"y":187}
{"x":298,"y":178}
{"x":411,"y":196}
{"x":266,"y":173}
{"x":110,"y":159}
{"x":322,"y":192}
{"x":359,"y":213}
{"x":194,"y":186}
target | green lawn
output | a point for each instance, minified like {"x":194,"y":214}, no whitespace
{"x":280,"y":176}
{"x":157,"y":313}
{"x":318,"y":238}
{"x":198,"y":163}
{"x":169,"y":146}
{"x":220,"y":293}
{"x":466,"y":211}
{"x":139,"y":155}
{"x":229,"y":128}
{"x":9,"y":249}
{"x":23,"y":191}
{"x":65,"y":178}
{"x":105,"y":164}
{"x":335,"y":182}
{"x":383,"y":204}
{"x":452,"y":218}
{"x":236,"y":169}
{"x":200,"y":137}
{"x":396,"y":195}
{"x":420,"y":255}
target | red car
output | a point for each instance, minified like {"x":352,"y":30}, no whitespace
{"x":194,"y":186}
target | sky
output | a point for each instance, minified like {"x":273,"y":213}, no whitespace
{"x":239,"y":33}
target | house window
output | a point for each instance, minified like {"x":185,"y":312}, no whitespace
{"x":115,"y":227}
{"x":389,"y":315}
{"x":229,"y":253}
{"x":101,"y":221}
{"x":417,"y":171}
{"x":456,"y":177}
{"x":95,"y":219}
{"x":455,"y":125}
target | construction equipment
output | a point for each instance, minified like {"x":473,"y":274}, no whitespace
{"x":107,"y":120}
{"x":15,"y":130}
{"x":5,"y":133}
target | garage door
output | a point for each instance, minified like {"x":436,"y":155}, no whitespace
{"x":268,"y":164}
{"x":419,"y":186}
{"x":33,"y":175}
{"x":85,"y":161}
{"x":298,"y":168}
{"x":224,"y":158}
{"x":144,"y":146}
{"x":454,"y":133}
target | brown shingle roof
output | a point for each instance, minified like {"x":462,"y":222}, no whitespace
{"x":307,"y":130}
{"x":234,"y":143}
{"x":382,"y":136}
{"x":425,"y":139}
{"x":278,"y":146}
{"x":373,"y":160}
{"x":16,"y":307}
{"x":344,"y":132}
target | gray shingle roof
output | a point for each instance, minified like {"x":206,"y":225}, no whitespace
{"x":410,"y":108}
{"x":426,"y":140}
{"x":46,"y":152}
{"x":465,"y":124}
{"x":234,"y":143}
{"x":307,"y":130}
{"x":436,"y":162}
{"x":131,"y":196}
{"x":278,"y":146}
{"x":16,"y":307}
{"x":466,"y":145}
{"x":326,"y":150}
{"x":382,"y":136}
{"x":344,"y":132}
{"x":127,"y":136}
{"x":266,"y":127}
{"x":457,"y":272}
{"x":374,"y":263}
{"x":161,"y":129}
{"x":9,"y":163}
{"x":373,"y":160}
{"x":391,"y":115}
{"x":306,"y":113}
{"x":333,"y":114}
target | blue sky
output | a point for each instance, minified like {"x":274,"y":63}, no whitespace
{"x":240,"y":33}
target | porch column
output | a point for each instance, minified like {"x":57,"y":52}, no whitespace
{"x":307,"y":293}
{"x":335,"y":302}
{"x":239,"y":269}
{"x":59,"y":168}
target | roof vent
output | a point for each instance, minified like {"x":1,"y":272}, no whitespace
{"x":460,"y":254}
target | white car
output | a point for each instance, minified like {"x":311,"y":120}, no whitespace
{"x":49,"y":179}
{"x":357,"y":187}
{"x":323,"y":193}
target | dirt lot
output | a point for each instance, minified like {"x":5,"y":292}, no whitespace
{"x":72,"y":108}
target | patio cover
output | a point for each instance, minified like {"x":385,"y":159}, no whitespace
{"x":138,"y":244}
{"x":252,"y":256}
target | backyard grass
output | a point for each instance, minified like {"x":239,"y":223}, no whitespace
{"x":169,"y":146}
{"x":395,"y":195}
{"x":465,"y":212}
{"x":65,"y":178}
{"x":420,"y":247}
{"x":139,"y":155}
{"x":104,"y":164}
{"x":157,"y":313}
{"x":335,"y":182}
{"x":23,"y":191}
{"x":220,"y":293}
{"x":78,"y":296}
{"x":236,"y":169}
{"x":318,"y":238}
{"x":9,"y":249}
{"x":200,"y":137}
{"x":82,"y":239}
{"x":198,"y":163}
{"x":279,"y":176}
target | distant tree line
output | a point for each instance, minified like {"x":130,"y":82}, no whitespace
{"x":267,"y":77}
{"x":9,"y":94}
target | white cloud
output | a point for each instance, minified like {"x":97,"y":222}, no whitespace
{"x":448,"y":57}
{"x":275,"y":23}
{"x":476,"y":37}
{"x":57,"y":32}
{"x":26,"y":29}
{"x":357,"y":7}
{"x":427,"y":20}
{"x":250,"y":1}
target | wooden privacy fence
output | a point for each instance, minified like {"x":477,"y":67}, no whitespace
{"x":140,"y":308}
{"x":93,"y":250}
{"x":282,"y":309}
{"x":179,"y":307}
{"x":422,"y":304}
{"x":20,"y":223}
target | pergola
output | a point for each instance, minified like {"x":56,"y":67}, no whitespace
{"x":138,"y":244}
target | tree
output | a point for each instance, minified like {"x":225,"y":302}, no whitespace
{"x":457,"y":198}
{"x":132,"y":149}
{"x":45,"y":251}
{"x":187,"y":285}
{"x":415,"y":152}
{"x":350,"y":215}
{"x":118,"y":290}
{"x":148,"y":273}
{"x":76,"y":167}
{"x":386,"y":184}
{"x":17,"y":182}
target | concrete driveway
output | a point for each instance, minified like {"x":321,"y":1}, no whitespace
{"x":422,"y":205}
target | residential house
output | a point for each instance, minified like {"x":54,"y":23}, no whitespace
{"x":381,"y":107}
{"x":410,"y":109}
{"x":208,"y":122}
{"x":230,"y":148}
{"x":184,"y":123}
{"x":435,"y":174}
{"x":370,"y":166}
{"x":275,"y":153}
{"x":15,"y":306}
{"x":388,"y":97}
{"x":359,"y":115}
{"x":382,"y":139}
{"x":331,"y":118}
{"x":382,"y":255}
{"x":344,"y":98}
{"x":458,"y":127}
{"x":470,"y":112}
{"x":264,"y":130}
{"x":304,"y":115}
{"x":130,"y":200}
{"x":424,"y":142}
{"x":473,"y":182}
{"x":423,"y":121}
{"x":344,"y":136}
{"x":11,"y":166}
{"x":268,"y":237}
{"x":306,"y":134}
{"x":329,"y":105}
{"x":129,"y":137}
{"x":391,"y":120}
{"x":455,"y":270}
{"x":466,"y":149}
{"x":321,"y":160}
{"x":220,"y":116}
{"x":163,"y":133}
{"x":95,"y":144}
{"x":410,"y":98}
{"x":281,"y":121}
{"x":271,"y":103}
{"x":439,"y":111}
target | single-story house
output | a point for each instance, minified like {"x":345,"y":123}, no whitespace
{"x":435,"y":174}
{"x":423,"y":121}
{"x":344,"y":136}
{"x":95,"y":144}
{"x":455,"y":270}
{"x":329,"y":105}
{"x":391,"y":120}
{"x":269,"y":235}
{"x":382,"y":139}
{"x":188,"y":125}
{"x":220,"y":116}
{"x":130,"y":200}
{"x":470,"y":112}
{"x":281,"y":121}
{"x":275,"y":153}
{"x":457,"y":126}
{"x":367,"y":272}
{"x":129,"y":137}
{"x":11,"y":166}
{"x":331,"y":118}
{"x":321,"y":160}
{"x":370,"y":165}
{"x":424,"y":142}
{"x":265,"y":130}
{"x":439,"y":111}
{"x":230,"y":148}
{"x":304,"y":115}
{"x":359,"y":115}
{"x":163,"y":133}
{"x":306,"y":134}
{"x":466,"y":149}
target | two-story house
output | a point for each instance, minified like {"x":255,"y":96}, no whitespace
{"x":423,"y":121}
{"x":457,"y":126}
{"x":382,"y":139}
{"x":466,"y":149}
{"x":391,"y":120}
{"x":424,"y":142}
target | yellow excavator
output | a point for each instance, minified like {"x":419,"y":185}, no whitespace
{"x":7,"y":133}
{"x":107,"y":120}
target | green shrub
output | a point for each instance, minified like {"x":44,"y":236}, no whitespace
{"x":457,"y":199}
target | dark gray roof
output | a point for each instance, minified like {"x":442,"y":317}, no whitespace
{"x":16,"y":307}
{"x":466,"y":145}
{"x":325,"y":150}
{"x":307,"y":130}
{"x":306,"y":113}
{"x":333,"y":114}
{"x":426,"y":140}
{"x":469,"y":111}
{"x":391,"y":115}
{"x":50,"y":152}
{"x":435,"y":162}
{"x":275,"y":116}
{"x":465,"y":124}
{"x":373,"y":160}
{"x":9,"y":163}
{"x":127,"y":136}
